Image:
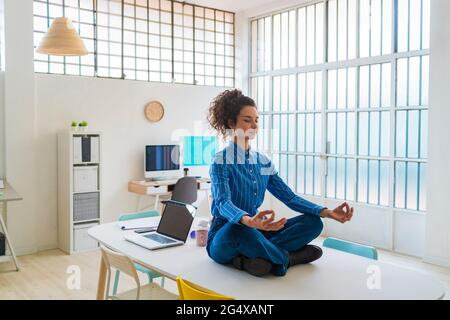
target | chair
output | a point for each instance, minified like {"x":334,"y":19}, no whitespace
{"x":189,"y":291}
{"x":351,"y":247}
{"x":150,"y":274}
{"x":185,"y":190}
{"x":151,"y":291}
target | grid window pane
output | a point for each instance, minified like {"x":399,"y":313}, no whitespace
{"x":366,"y":106}
{"x":341,"y":30}
{"x":376,"y":27}
{"x":82,"y":18}
{"x":308,"y":175}
{"x":413,"y":25}
{"x":143,"y":40}
{"x":340,"y":178}
{"x":410,"y":185}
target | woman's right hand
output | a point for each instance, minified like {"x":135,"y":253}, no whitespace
{"x":260,"y":221}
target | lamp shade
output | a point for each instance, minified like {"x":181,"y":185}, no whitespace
{"x":62,"y":40}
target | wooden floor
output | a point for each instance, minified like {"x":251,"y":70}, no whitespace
{"x":45,"y":275}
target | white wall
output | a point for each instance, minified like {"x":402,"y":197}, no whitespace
{"x":2,"y":125}
{"x":2,"y":94}
{"x":116,"y":108}
{"x":438,"y":219}
{"x":20,"y":123}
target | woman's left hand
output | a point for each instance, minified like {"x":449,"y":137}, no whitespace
{"x":343,"y":213}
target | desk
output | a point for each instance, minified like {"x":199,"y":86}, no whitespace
{"x":163,"y":188}
{"x":337,"y":275}
{"x":8,"y":194}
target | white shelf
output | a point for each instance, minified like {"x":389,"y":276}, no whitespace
{"x":79,"y":164}
{"x":71,"y":234}
{"x":87,"y":133}
{"x":81,"y":192}
{"x":86,"y":221}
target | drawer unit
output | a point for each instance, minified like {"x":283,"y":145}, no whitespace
{"x":157,"y":189}
{"x":205,"y":185}
{"x":86,"y":149}
{"x":86,"y":206}
{"x":81,"y":240}
{"x":85,"y":179}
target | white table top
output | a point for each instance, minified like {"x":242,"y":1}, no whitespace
{"x":337,"y":275}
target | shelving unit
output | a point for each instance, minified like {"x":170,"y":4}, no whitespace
{"x":79,"y":189}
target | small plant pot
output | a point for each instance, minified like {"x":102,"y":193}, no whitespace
{"x":83,"y":129}
{"x":74,"y":129}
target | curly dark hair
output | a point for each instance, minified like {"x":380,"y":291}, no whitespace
{"x":225,"y":107}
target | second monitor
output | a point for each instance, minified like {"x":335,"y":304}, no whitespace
{"x":162,"y":161}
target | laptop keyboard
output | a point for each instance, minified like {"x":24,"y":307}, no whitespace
{"x":158,"y":238}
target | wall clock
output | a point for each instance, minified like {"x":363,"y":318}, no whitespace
{"x":154,"y":111}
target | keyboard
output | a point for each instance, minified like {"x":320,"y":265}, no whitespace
{"x":158,"y":238}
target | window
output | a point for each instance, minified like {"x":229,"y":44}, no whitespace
{"x":342,"y":88}
{"x":147,"y":40}
{"x":199,"y":151}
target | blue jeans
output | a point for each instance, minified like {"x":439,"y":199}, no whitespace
{"x":230,"y":240}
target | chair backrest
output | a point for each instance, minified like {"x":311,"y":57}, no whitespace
{"x":120,"y":262}
{"x":189,"y":291}
{"x":138,"y":215}
{"x":185,"y":190}
{"x":351,"y":247}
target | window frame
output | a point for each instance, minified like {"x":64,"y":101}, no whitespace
{"x":392,"y":58}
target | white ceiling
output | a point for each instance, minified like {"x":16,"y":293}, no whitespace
{"x":231,"y":5}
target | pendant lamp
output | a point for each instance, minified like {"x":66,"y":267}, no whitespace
{"x":62,"y":40}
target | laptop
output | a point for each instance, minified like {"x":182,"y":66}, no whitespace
{"x":173,"y":228}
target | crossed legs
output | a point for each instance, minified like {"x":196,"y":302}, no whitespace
{"x":233,"y":240}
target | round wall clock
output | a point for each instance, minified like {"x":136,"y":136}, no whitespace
{"x":154,"y":111}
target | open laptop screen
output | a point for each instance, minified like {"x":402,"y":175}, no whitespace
{"x":176,"y":220}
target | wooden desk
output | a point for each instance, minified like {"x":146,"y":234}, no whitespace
{"x":8,"y":194}
{"x":163,"y":188}
{"x":337,"y":275}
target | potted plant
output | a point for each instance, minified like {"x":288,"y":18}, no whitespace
{"x":74,"y":125}
{"x":83,"y":125}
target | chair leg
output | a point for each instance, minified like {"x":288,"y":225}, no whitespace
{"x":116,"y":282}
{"x":150,"y":280}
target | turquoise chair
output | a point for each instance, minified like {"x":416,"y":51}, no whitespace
{"x":150,"y":274}
{"x":351,"y":247}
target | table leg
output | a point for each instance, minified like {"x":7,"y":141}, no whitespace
{"x":156,"y":202}
{"x":101,"y":280}
{"x":139,"y":203}
{"x":209,"y":200}
{"x":8,"y":239}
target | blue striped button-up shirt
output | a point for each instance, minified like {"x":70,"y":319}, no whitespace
{"x":240,"y":179}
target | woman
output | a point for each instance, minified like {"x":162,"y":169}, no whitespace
{"x":251,"y":240}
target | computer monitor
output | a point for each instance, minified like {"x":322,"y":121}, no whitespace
{"x":162,"y":161}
